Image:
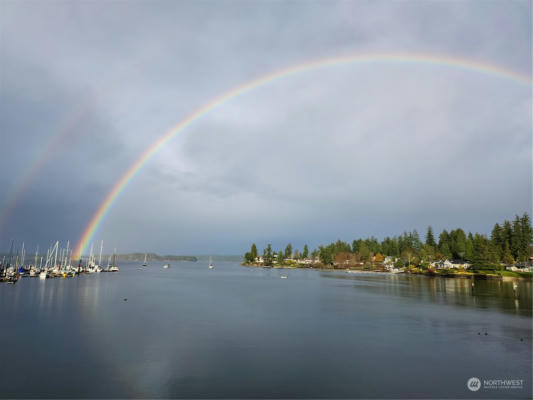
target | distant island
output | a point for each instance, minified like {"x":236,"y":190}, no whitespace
{"x":153,"y":257}
{"x":507,"y":253}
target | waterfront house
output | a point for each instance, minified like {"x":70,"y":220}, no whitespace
{"x":388,"y":262}
{"x":523,"y":267}
{"x":345,"y":258}
{"x":461,"y":264}
{"x":442,"y":264}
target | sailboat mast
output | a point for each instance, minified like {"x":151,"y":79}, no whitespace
{"x":100,"y":255}
{"x":11,"y":253}
{"x":55,"y":257}
{"x":91,"y":256}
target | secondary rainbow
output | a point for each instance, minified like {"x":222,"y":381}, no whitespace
{"x":423,"y":59}
{"x":34,"y":164}
{"x":49,"y":147}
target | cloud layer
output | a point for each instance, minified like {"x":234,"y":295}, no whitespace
{"x":341,"y":152}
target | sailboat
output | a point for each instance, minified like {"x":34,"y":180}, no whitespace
{"x":97,"y":267}
{"x":144,"y":264}
{"x":211,"y":263}
{"x":113,"y":266}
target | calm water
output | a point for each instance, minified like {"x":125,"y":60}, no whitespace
{"x":244,"y":332}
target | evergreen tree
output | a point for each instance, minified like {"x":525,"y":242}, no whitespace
{"x":481,"y":252}
{"x":506,"y":233}
{"x":393,"y":247}
{"x":469,"y":248}
{"x":356,"y":244}
{"x":494,"y":253}
{"x":507,"y":256}
{"x":458,"y":244}
{"x":417,"y":245}
{"x":248,"y":257}
{"x":288,"y":251}
{"x":516,"y":238}
{"x":339,"y":247}
{"x":444,"y":243}
{"x":325,"y":255}
{"x":267,"y":255}
{"x":280,"y":256}
{"x":253,"y":251}
{"x":430,"y":239}
{"x":364,"y":252}
{"x":526,"y":237}
{"x":305,"y":253}
{"x":427,"y":253}
{"x":445,"y":250}
{"x":496,"y":237}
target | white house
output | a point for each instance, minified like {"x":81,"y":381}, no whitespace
{"x":442,"y":264}
{"x":461,"y":264}
{"x":519,"y":268}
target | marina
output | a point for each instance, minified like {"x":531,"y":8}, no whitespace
{"x":57,"y":263}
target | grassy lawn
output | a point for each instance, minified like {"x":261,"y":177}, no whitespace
{"x":513,"y":274}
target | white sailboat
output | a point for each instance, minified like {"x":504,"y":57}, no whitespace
{"x":211,"y":263}
{"x":113,"y":266}
{"x":98,"y":267}
{"x":144,"y":264}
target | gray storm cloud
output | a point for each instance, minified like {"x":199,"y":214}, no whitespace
{"x":342,"y":152}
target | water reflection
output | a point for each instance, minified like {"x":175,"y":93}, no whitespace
{"x":452,"y":291}
{"x":244,"y":332}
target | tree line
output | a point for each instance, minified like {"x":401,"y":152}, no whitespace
{"x":508,"y":243}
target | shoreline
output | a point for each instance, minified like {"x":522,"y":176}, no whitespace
{"x":430,"y":274}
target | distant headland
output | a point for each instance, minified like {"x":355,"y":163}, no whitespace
{"x":153,"y":257}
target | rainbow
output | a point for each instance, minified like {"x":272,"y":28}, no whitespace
{"x":410,"y":58}
{"x":32,"y":168}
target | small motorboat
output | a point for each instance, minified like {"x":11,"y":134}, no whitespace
{"x":166,"y":266}
{"x":283,"y":276}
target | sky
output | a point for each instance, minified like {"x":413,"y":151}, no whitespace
{"x":342,"y":152}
